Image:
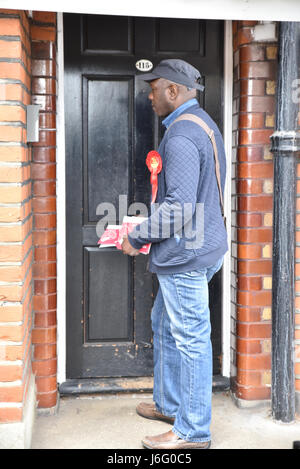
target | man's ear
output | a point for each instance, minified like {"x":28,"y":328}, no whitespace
{"x":173,"y":91}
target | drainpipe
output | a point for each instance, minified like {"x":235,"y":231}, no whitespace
{"x":285,"y":144}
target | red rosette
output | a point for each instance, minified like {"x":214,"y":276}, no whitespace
{"x":154,"y":164}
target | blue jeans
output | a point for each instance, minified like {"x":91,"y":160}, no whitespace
{"x":183,"y":351}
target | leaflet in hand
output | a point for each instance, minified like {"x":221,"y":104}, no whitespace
{"x":114,"y":234}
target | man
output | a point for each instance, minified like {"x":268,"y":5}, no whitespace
{"x":189,"y":241}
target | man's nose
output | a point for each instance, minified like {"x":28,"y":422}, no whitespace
{"x":150,"y":96}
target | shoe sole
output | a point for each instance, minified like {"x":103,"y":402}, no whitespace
{"x":182,"y":447}
{"x":162,"y":419}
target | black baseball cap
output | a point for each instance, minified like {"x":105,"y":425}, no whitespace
{"x":175,"y":70}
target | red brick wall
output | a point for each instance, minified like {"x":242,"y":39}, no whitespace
{"x":27,"y":212}
{"x":43,"y":36}
{"x":253,"y":122}
{"x":16,"y":253}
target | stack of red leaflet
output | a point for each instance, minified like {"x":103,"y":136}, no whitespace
{"x":114,"y":234}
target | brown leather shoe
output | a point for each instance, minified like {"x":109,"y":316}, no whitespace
{"x":169,"y":440}
{"x":149,"y":411}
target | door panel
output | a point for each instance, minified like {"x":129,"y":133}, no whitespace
{"x":110,"y":128}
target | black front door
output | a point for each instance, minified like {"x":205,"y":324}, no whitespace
{"x":110,"y":128}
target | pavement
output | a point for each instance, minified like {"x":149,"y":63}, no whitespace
{"x":111,"y":422}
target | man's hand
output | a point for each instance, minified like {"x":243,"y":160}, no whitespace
{"x":128,"y":249}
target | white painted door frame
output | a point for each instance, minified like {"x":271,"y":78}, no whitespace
{"x":61,"y":201}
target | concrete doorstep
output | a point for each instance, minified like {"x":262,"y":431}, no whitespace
{"x":111,"y":422}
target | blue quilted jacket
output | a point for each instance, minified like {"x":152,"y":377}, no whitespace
{"x":186,"y":227}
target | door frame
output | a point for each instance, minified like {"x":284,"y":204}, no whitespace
{"x":61,"y":201}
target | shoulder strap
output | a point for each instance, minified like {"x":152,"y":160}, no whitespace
{"x":210,"y":133}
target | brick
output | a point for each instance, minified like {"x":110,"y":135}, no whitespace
{"x":44,"y":238}
{"x":10,"y":27}
{"x":43,"y":50}
{"x":11,"y":92}
{"x":44,"y":188}
{"x":258,"y":70}
{"x":10,"y":414}
{"x":43,"y":33}
{"x":44,"y":254}
{"x":44,"y":155}
{"x":13,"y":153}
{"x":45,"y":287}
{"x":257,"y":104}
{"x":46,"y":384}
{"x":268,"y":186}
{"x":252,"y":52}
{"x":253,"y":393}
{"x":251,"y":120}
{"x":10,"y":49}
{"x":15,"y":273}
{"x":45,"y":367}
{"x":267,"y":153}
{"x":244,"y":36}
{"x":248,"y":314}
{"x":47,"y":103}
{"x":267,"y":283}
{"x":255,"y":170}
{"x":47,"y":120}
{"x":266,"y":378}
{"x":16,"y":71}
{"x":43,"y":68}
{"x":250,"y":87}
{"x":248,"y":186}
{"x":249,"y":251}
{"x":15,"y":213}
{"x":270,"y":87}
{"x":248,"y":378}
{"x":271,"y":52}
{"x":43,"y":85}
{"x":270,"y":120}
{"x":45,"y":352}
{"x":43,"y":171}
{"x":268,"y":219}
{"x":255,"y":331}
{"x":11,"y":133}
{"x":44,"y":16}
{"x":11,"y":394}
{"x":250,"y":153}
{"x":44,"y":336}
{"x":249,"y":283}
{"x":254,"y":136}
{"x":267,"y":346}
{"x":248,"y":347}
{"x":43,"y":303}
{"x":260,"y":267}
{"x":47,"y":138}
{"x":255,"y":204}
{"x":47,"y":400}
{"x":10,"y":373}
{"x":246,"y":23}
{"x":267,"y":251}
{"x":44,"y":270}
{"x":12,"y":114}
{"x":44,"y":204}
{"x":14,"y":174}
{"x":253,"y":362}
{"x":254,"y":235}
{"x":14,"y":292}
{"x":249,"y":220}
{"x":267,"y":314}
{"x":14,"y":233}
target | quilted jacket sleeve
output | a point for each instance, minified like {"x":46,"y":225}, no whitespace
{"x":182,"y":171}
